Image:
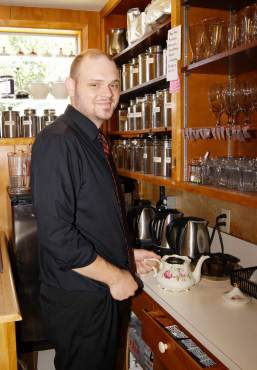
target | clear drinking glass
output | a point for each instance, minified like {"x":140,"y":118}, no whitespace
{"x":215,"y":31}
{"x":233,"y":32}
{"x":247,"y":24}
{"x":19,"y":171}
{"x":197,"y":40}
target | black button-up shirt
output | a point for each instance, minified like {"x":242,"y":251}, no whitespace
{"x":76,"y":206}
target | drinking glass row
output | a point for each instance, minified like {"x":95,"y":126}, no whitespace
{"x":214,"y":35}
{"x":238,"y":173}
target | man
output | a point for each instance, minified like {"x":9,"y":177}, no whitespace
{"x":85,"y":261}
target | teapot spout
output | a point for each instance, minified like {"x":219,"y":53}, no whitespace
{"x":198,"y":267}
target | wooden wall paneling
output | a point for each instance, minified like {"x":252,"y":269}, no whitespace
{"x":177,"y":100}
{"x":8,"y":355}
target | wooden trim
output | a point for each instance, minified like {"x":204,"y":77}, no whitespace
{"x":8,"y":353}
{"x":108,"y":8}
{"x":9,"y":308}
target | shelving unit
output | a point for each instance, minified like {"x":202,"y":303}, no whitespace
{"x":17,"y":141}
{"x":144,"y":88}
{"x":240,"y":61}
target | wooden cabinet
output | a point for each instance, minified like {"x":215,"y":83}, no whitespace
{"x":191,"y":102}
{"x":169,"y":353}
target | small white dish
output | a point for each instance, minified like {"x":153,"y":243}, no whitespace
{"x":236,"y":297}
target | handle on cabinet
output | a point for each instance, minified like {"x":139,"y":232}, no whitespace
{"x":162,"y":347}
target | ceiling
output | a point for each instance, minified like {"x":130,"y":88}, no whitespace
{"x":59,"y":4}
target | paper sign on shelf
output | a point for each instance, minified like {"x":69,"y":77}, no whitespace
{"x":173,"y":55}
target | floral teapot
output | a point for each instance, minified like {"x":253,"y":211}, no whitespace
{"x":175,"y":274}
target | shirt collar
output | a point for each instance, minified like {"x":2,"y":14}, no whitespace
{"x":84,"y":123}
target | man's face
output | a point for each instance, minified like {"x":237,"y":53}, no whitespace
{"x":96,"y":91}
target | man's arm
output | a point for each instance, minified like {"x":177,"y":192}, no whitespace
{"x":121,"y":283}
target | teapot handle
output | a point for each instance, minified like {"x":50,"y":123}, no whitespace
{"x":154,"y":268}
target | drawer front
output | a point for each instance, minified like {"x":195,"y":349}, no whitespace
{"x":142,"y":302}
{"x":168,"y":351}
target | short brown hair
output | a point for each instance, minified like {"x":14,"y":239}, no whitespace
{"x":89,"y":53}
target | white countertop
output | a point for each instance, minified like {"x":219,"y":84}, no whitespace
{"x":227,"y":331}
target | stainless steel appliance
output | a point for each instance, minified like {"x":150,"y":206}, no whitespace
{"x":158,"y":228}
{"x":25,"y":264}
{"x":189,"y":236}
{"x":117,"y":40}
{"x":139,"y":218}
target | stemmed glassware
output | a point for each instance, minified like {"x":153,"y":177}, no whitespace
{"x":230,"y":99}
{"x":216,"y":103}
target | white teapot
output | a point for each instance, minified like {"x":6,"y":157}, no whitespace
{"x":174,"y":272}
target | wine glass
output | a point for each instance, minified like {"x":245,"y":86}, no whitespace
{"x":230,"y":99}
{"x":216,"y":34}
{"x":197,"y":41}
{"x":233,"y":32}
{"x":217,"y":107}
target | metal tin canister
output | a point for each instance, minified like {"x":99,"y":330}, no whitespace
{"x":10,"y":123}
{"x":29,"y":123}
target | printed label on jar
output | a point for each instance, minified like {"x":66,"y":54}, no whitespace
{"x":157,"y":159}
{"x":145,"y":155}
{"x":122,"y":118}
{"x":156,"y":109}
{"x":149,"y":60}
{"x":168,"y":160}
{"x":27,"y":123}
{"x":168,"y":105}
{"x":138,"y":114}
{"x":135,"y":70}
{"x":131,"y":115}
{"x":9,"y":123}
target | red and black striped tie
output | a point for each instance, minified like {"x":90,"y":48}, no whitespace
{"x":107,"y":154}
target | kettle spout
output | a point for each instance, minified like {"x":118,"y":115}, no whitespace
{"x":197,"y":270}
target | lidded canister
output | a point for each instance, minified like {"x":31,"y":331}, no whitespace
{"x":148,"y":156}
{"x":157,"y":109}
{"x":10,"y":123}
{"x":162,"y":156}
{"x":125,"y":76}
{"x":131,"y":115}
{"x":30,"y":123}
{"x":48,"y":118}
{"x":147,"y":111}
{"x":164,"y":62}
{"x":133,"y":73}
{"x":138,"y":113}
{"x":138,"y":156}
{"x":128,"y":156}
{"x":142,"y":67}
{"x":123,"y":117}
{"x":154,"y":62}
{"x":120,"y":151}
{"x":167,"y":108}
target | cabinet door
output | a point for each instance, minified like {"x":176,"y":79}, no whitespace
{"x":168,"y":351}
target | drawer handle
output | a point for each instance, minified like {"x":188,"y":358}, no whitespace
{"x":162,"y":347}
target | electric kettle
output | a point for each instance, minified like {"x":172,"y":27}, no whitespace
{"x":163,"y":217}
{"x":139,"y":218}
{"x":189,"y":236}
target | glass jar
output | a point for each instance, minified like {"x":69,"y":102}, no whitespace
{"x":125,"y":76}
{"x":123,"y":117}
{"x":164,"y":62}
{"x":195,"y":171}
{"x":138,"y":157}
{"x":120,"y":153}
{"x":162,"y":156}
{"x":157,"y":109}
{"x":133,"y":73}
{"x":48,"y":118}
{"x":138,"y":113}
{"x":167,"y":108}
{"x":148,"y":156}
{"x":147,"y":111}
{"x":128,"y":156}
{"x":10,"y":123}
{"x":247,"y":174}
{"x":154,"y":62}
{"x":142,"y":67}
{"x":30,"y":123}
{"x":131,"y":125}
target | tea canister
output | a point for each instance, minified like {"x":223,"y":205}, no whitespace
{"x":133,"y":73}
{"x":123,"y":117}
{"x":29,"y":123}
{"x":125,"y":76}
{"x":154,"y":66}
{"x":142,"y":67}
{"x":10,"y":123}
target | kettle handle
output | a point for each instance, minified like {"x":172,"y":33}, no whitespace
{"x":152,"y":226}
{"x":170,"y":226}
{"x":154,"y":268}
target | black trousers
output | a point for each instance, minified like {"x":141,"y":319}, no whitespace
{"x":85,"y":328}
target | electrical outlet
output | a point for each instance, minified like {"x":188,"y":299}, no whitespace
{"x":226,"y":228}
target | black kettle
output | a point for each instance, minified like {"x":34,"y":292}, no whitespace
{"x":139,"y":218}
{"x":189,"y":236}
{"x":158,"y":225}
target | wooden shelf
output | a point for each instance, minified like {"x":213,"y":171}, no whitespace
{"x":17,"y":141}
{"x":157,"y":36}
{"x":228,"y":195}
{"x":156,"y":180}
{"x":146,"y":87}
{"x":119,"y":7}
{"x":219,"y":4}
{"x":238,"y":60}
{"x":141,"y":132}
